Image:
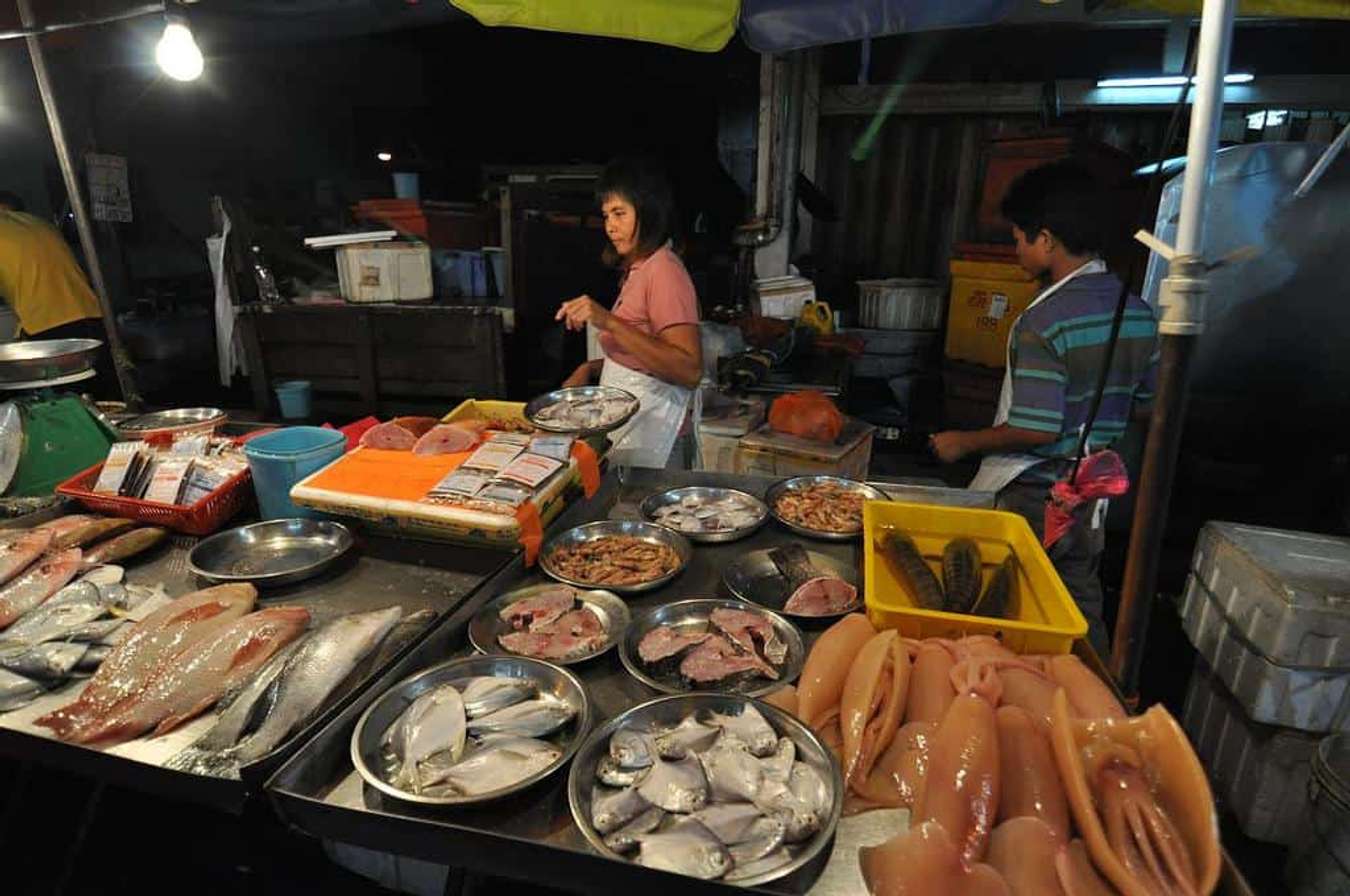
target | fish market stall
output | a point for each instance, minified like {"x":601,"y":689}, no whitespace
{"x":531,"y":834}
{"x":424,"y":582}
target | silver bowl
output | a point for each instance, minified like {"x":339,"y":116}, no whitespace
{"x":487,"y":624}
{"x":753,"y":578}
{"x":375,"y":721}
{"x":579,"y":393}
{"x":652,"y":503}
{"x":799,"y":482}
{"x":666,"y":711}
{"x":693,"y":614}
{"x":35,"y":360}
{"x":178,"y":420}
{"x":635,"y":528}
{"x":273,"y":552}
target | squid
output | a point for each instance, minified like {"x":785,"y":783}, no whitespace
{"x":897,"y":776}
{"x":961,"y":787}
{"x":1031,"y":785}
{"x":930,"y":686}
{"x":923,"y":861}
{"x":822,"y":678}
{"x":1025,"y":851}
{"x":1030,"y":690}
{"x":872,"y":701}
{"x":1089,"y":697}
{"x":785,"y":698}
{"x":1140,"y":799}
{"x":1076,"y":875}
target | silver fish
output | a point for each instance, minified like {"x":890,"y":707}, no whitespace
{"x":733,"y":774}
{"x":311,"y":674}
{"x":486,"y":694}
{"x":497,"y":762}
{"x":808,"y":785}
{"x":764,"y":835}
{"x":610,"y":772}
{"x":631,"y":749}
{"x":533,"y":718}
{"x":686,"y":848}
{"x":779,"y":766}
{"x":729,"y":822}
{"x":100,"y":631}
{"x":677,"y":786}
{"x":750,"y":728}
{"x":776,"y":859}
{"x":106,"y":574}
{"x":626,"y":838}
{"x":17,"y":691}
{"x":52,"y":661}
{"x":690,"y":734}
{"x":73,"y":605}
{"x":801,"y":816}
{"x":612,"y":809}
{"x":432,"y":724}
{"x":92,"y":659}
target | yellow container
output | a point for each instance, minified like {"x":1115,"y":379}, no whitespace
{"x":1048,"y":621}
{"x":986,"y":298}
{"x":487,"y":409}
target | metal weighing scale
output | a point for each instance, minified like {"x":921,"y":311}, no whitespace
{"x":47,"y":434}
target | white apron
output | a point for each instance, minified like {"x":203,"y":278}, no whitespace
{"x":646,"y":440}
{"x":997,"y":470}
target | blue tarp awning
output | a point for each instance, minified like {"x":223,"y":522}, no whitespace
{"x":777,"y":26}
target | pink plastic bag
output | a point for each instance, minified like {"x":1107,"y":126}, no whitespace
{"x":1100,"y":475}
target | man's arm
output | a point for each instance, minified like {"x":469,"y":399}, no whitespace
{"x":955,"y":444}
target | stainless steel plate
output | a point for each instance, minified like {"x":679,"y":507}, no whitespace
{"x":700,"y":493}
{"x":274,"y":552}
{"x":692,"y":615}
{"x":36,"y":360}
{"x":487,"y":625}
{"x":548,"y":678}
{"x":753,"y":578}
{"x":664,"y":712}
{"x":645,"y":531}
{"x":579,"y":393}
{"x":778,"y":489}
{"x":177,"y":420}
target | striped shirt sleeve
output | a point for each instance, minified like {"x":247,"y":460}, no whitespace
{"x":1039,"y":378}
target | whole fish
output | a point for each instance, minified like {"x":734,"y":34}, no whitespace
{"x":433,"y":723}
{"x":960,"y":574}
{"x":151,"y":643}
{"x":91,"y":532}
{"x":194,"y":679}
{"x":19,"y":550}
{"x":40,"y":582}
{"x":73,"y":605}
{"x":92,"y":659}
{"x":51,"y":662}
{"x":312,"y":673}
{"x":531,"y":718}
{"x":17,"y":691}
{"x":64,"y":524}
{"x":910,"y":570}
{"x":128,"y":544}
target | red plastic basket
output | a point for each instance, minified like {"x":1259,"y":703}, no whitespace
{"x":202,"y":518}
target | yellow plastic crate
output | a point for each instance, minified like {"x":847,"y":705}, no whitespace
{"x":1048,"y":621}
{"x":486,"y":409}
{"x":986,"y":298}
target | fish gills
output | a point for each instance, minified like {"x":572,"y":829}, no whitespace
{"x":961,"y":574}
{"x":913,"y":572}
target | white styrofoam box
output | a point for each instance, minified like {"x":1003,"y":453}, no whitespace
{"x":385,"y":272}
{"x":1260,"y":771}
{"x":784,"y":297}
{"x":1286,"y":593}
{"x":901,"y":304}
{"x":1308,"y":699}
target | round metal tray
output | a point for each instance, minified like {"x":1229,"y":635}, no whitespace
{"x":273,"y":552}
{"x":753,"y":578}
{"x":580,"y":393}
{"x":551,"y":679}
{"x":36,"y":360}
{"x":668,"y":711}
{"x":653,"y":503}
{"x":693,"y":615}
{"x":634,"y":528}
{"x":179,"y":420}
{"x":798,"y":482}
{"x":487,"y":624}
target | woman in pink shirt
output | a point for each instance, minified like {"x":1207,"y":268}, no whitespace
{"x":651,"y":337}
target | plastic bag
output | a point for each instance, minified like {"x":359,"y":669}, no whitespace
{"x":1100,"y":475}
{"x":809,"y":415}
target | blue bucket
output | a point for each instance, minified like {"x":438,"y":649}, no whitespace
{"x":294,"y":398}
{"x":282,"y":458}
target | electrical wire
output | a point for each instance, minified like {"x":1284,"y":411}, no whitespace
{"x":145,"y":9}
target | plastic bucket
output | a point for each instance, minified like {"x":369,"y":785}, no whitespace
{"x":278,"y":460}
{"x":1320,"y":865}
{"x":293,"y":397}
{"x":407,"y":185}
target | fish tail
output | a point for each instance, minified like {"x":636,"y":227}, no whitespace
{"x":63,"y":721}
{"x":197,"y":761}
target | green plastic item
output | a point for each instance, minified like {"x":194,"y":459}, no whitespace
{"x":60,"y":438}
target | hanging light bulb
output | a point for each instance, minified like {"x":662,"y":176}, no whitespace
{"x":177,"y":52}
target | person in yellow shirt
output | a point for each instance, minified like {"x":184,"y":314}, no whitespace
{"x":44,"y":285}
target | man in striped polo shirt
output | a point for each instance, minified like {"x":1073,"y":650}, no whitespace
{"x":1056,"y":351}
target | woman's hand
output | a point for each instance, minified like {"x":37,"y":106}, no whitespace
{"x":580,"y":377}
{"x":582,"y":310}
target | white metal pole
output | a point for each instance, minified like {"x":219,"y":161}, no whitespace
{"x":1216,"y":37}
